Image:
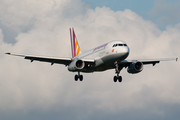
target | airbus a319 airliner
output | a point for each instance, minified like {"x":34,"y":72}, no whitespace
{"x":111,"y":55}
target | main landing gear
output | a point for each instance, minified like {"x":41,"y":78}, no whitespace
{"x":117,"y":78}
{"x":80,"y":77}
{"x":117,"y":71}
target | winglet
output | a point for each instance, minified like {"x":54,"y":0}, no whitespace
{"x":176,"y":59}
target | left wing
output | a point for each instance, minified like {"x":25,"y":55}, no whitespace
{"x":52,"y":60}
{"x":126,"y":63}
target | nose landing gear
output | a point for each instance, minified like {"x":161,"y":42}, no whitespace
{"x":117,"y":71}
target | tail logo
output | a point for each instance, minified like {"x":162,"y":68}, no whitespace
{"x":75,"y":49}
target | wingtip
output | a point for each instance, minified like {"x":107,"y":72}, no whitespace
{"x":176,"y":59}
{"x":8,"y":53}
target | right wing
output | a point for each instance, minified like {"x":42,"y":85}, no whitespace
{"x":126,"y":63}
{"x":52,"y":60}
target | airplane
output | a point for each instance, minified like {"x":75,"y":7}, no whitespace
{"x":111,"y":55}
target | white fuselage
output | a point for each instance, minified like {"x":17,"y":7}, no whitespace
{"x":105,"y":55}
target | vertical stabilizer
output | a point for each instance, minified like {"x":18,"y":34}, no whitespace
{"x":75,"y":49}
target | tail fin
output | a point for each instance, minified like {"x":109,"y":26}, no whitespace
{"x":75,"y":49}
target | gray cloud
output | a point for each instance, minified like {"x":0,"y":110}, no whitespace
{"x":42,"y":91}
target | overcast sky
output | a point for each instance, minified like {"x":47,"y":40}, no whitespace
{"x":40,"y":91}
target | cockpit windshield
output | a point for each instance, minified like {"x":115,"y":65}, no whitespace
{"x":115,"y":45}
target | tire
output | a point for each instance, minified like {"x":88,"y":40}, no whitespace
{"x":81,"y":78}
{"x":115,"y":79}
{"x":120,"y":79}
{"x":76,"y":77}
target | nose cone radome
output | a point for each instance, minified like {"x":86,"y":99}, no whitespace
{"x":126,"y":51}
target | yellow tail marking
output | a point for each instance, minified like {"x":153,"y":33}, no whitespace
{"x":76,"y":45}
{"x":78,"y":51}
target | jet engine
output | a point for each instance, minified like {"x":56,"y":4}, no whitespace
{"x":135,"y":67}
{"x":76,"y":65}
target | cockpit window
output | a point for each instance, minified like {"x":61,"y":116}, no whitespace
{"x":115,"y":45}
{"x":125,"y":45}
{"x":120,"y":44}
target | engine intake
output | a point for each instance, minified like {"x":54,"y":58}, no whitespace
{"x":135,"y":67}
{"x":76,"y":65}
{"x":79,"y":64}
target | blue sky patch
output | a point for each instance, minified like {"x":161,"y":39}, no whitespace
{"x":157,"y":11}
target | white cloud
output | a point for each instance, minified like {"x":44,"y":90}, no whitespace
{"x":41,"y":87}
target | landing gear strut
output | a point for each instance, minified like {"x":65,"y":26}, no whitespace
{"x":80,"y":77}
{"x":117,"y":71}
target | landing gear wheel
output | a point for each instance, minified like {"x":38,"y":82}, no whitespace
{"x":120,"y":79}
{"x":76,"y":77}
{"x":115,"y":79}
{"x":81,"y":78}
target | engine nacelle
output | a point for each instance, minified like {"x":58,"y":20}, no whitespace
{"x":76,"y":65}
{"x":135,"y":67}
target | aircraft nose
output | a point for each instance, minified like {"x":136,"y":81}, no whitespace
{"x":123,"y":52}
{"x":126,"y":51}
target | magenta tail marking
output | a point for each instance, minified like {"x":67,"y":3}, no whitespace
{"x":71,"y":42}
{"x":74,"y":37}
